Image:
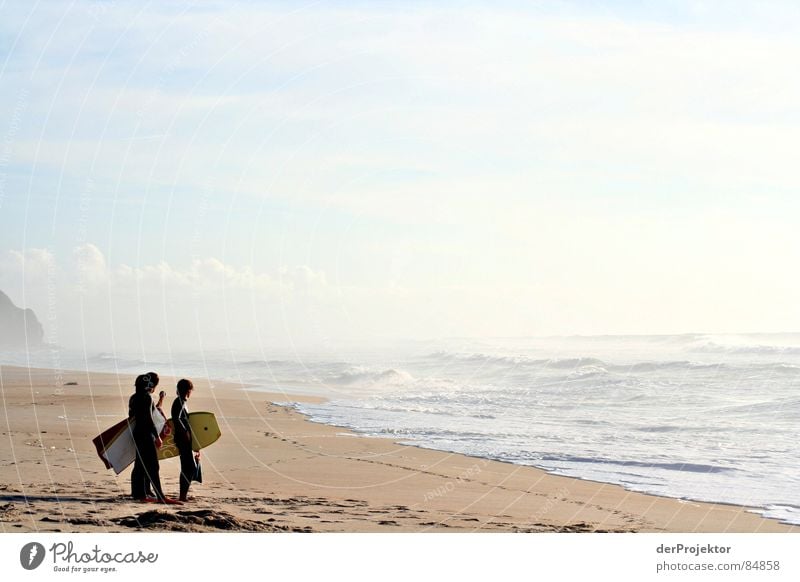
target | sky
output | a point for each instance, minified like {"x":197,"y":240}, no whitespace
{"x":237,"y":174}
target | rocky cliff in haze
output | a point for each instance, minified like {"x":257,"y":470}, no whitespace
{"x":19,"y":328}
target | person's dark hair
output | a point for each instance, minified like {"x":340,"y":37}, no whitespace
{"x":146,"y":381}
{"x":184,"y":386}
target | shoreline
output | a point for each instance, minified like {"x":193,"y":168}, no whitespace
{"x":751,"y":509}
{"x":274,"y":469}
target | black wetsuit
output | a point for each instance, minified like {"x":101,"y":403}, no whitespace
{"x":183,"y":440}
{"x":145,"y":468}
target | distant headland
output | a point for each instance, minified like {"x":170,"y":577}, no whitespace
{"x":18,"y":327}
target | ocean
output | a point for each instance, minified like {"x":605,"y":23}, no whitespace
{"x":695,"y":416}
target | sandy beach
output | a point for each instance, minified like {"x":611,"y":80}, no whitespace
{"x":274,"y":471}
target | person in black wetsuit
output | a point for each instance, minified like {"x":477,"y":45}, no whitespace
{"x":145,"y":467}
{"x":148,"y":487}
{"x":183,"y":437}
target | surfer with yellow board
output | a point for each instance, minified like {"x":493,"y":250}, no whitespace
{"x":182,"y":434}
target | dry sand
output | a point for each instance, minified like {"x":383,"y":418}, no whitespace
{"x":273,"y":470}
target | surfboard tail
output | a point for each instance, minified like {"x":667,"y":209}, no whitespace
{"x":111,"y":441}
{"x":98,"y":444}
{"x":105,"y":440}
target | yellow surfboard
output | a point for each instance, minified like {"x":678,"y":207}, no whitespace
{"x":205,"y":432}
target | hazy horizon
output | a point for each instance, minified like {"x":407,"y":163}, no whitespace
{"x":272,"y":174}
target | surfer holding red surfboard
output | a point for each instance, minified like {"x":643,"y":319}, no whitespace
{"x":159,"y":413}
{"x":147,"y":439}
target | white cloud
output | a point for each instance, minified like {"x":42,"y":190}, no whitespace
{"x":33,"y":263}
{"x":91,"y":265}
{"x":204,"y":276}
{"x":28,"y":276}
